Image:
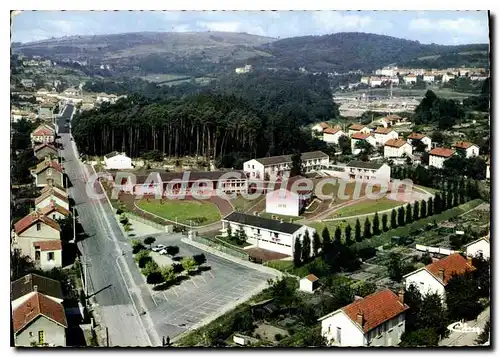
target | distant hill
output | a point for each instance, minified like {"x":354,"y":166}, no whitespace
{"x":198,"y":53}
{"x":354,"y":50}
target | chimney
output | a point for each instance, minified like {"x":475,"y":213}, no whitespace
{"x":441,"y":274}
{"x":360,"y":319}
{"x":35,"y":288}
{"x":401,"y":296}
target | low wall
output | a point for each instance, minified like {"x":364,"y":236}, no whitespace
{"x":163,"y":228}
{"x":437,"y":250}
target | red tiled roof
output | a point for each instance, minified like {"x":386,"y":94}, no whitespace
{"x":54,"y":207}
{"x":53,"y":186}
{"x":324,"y":125}
{"x":48,"y":245}
{"x":46,"y":164}
{"x":43,"y":132}
{"x":32,"y":218}
{"x":35,"y":306}
{"x":331,"y":130}
{"x":382,"y":130}
{"x":452,"y":264}
{"x":376,"y":308}
{"x":416,"y":136}
{"x":361,"y":136}
{"x":357,"y":127}
{"x":397,"y":143}
{"x":312,"y":278}
{"x":49,"y":193}
{"x":463,"y":145}
{"x":443,"y":152}
{"x":41,"y":146}
{"x":394,"y":117}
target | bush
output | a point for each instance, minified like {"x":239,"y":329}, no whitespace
{"x":138,"y":248}
{"x":278,"y":337}
{"x":155,"y":278}
{"x":141,"y":254}
{"x":143,"y":261}
{"x":177,"y":268}
{"x":150,"y":267}
{"x":199,"y":258}
{"x":119,"y":211}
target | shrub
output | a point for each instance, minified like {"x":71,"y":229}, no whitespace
{"x":177,"y":268}
{"x":199,"y":258}
{"x":143,"y":261}
{"x":278,"y":337}
{"x":155,"y":278}
{"x":119,"y":211}
{"x":150,"y":267}
{"x":138,"y":248}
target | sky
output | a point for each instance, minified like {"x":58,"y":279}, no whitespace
{"x":441,"y":27}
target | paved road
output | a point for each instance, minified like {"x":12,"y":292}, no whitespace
{"x":467,"y":339}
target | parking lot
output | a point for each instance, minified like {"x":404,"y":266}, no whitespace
{"x":203,"y":296}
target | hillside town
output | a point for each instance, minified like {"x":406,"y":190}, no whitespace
{"x":225,"y":215}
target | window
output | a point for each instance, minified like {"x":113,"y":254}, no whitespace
{"x":41,"y":337}
{"x":50,"y":256}
{"x":258,"y":231}
{"x":275,"y":235}
{"x":38,"y":226}
{"x":31,"y":334}
{"x":54,"y":216}
{"x":37,"y":253}
{"x":339,"y":335}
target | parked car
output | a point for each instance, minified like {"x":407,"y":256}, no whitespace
{"x":158,"y":248}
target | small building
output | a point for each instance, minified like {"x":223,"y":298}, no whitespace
{"x":55,"y":211}
{"x":375,"y":81}
{"x":360,"y":137}
{"x":54,"y":187}
{"x":438,"y":156}
{"x":479,"y":247}
{"x":46,"y":111}
{"x":72,"y":92}
{"x":447,"y":77}
{"x":27,"y":83}
{"x":117,"y":161}
{"x":48,"y":172}
{"x":320,"y":127}
{"x":39,"y":321}
{"x":270,"y":234}
{"x":332,"y":135}
{"x":246,"y":69}
{"x":43,"y":134}
{"x":24,"y":288}
{"x":470,"y":149}
{"x":397,"y":148}
{"x":428,"y":78}
{"x":434,"y":277}
{"x":45,"y":150}
{"x":52,"y":196}
{"x":288,"y":199}
{"x":415,"y":138}
{"x":382,"y":135}
{"x":358,"y":128}
{"x":376,"y":320}
{"x":368,"y":171}
{"x":277,"y":167}
{"x":309,"y":283}
{"x":410,"y":79}
{"x":365,"y":80}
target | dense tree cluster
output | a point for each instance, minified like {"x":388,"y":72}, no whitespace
{"x":444,"y":113}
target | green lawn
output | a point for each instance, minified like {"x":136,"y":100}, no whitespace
{"x":200,"y":212}
{"x":428,"y":189}
{"x":242,"y":204}
{"x":365,"y":207}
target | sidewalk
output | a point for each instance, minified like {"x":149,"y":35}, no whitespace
{"x":467,"y":339}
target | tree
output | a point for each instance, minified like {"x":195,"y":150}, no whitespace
{"x":241,"y":236}
{"x":376,"y":225}
{"x":367,"y":231}
{"x":188,"y":264}
{"x":348,"y":235}
{"x":149,"y":241}
{"x":345,"y":145}
{"x":401,"y":216}
{"x":437,"y":204}
{"x":172,"y":250}
{"x":413,"y":298}
{"x":326,"y":238}
{"x":430,"y":207}
{"x":485,"y":334}
{"x":338,"y":235}
{"x":409,"y":216}
{"x":141,"y":254}
{"x":455,"y":198}
{"x":416,"y":211}
{"x":432,"y":313}
{"x":297,"y":253}
{"x":394,"y":267}
{"x":168,"y":273}
{"x":20,"y":264}
{"x":385,"y":227}
{"x":296,"y":168}
{"x":426,"y":337}
{"x":394,"y":217}
{"x":462,"y":297}
{"x":423,"y":209}
{"x":155,"y":278}
{"x":200,"y":259}
{"x":306,"y":247}
{"x":316,"y":243}
{"x":149,"y":267}
{"x":229,"y":231}
{"x":444,"y":201}
{"x":357,"y":231}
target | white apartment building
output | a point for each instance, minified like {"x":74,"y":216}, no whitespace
{"x":414,"y":138}
{"x":269,"y":234}
{"x":358,"y":128}
{"x":376,"y":320}
{"x":479,"y":247}
{"x":332,"y":135}
{"x":410,"y":79}
{"x":359,"y":137}
{"x":470,"y":149}
{"x":397,"y":148}
{"x":428,"y":78}
{"x":438,"y":156}
{"x":382,"y":135}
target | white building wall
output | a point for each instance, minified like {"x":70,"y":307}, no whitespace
{"x":472,"y":151}
{"x":425,"y":283}
{"x":390,"y":151}
{"x":31,"y":235}
{"x":118,"y":162}
{"x":254,"y":168}
{"x":479,"y":247}
{"x":46,"y":264}
{"x":333,"y":138}
{"x":381,"y":139}
{"x":57,"y":200}
{"x":350,"y":334}
{"x":282,"y":202}
{"x":436,"y":161}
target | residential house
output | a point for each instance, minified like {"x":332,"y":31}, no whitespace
{"x":428,"y":78}
{"x":48,"y":172}
{"x":410,"y":79}
{"x":376,"y":320}
{"x":43,"y":134}
{"x":361,"y":137}
{"x":470,"y":149}
{"x":246,"y":69}
{"x":365,"y":80}
{"x":288,"y":198}
{"x":394,"y":79}
{"x":59,"y":189}
{"x":434,"y":277}
{"x":54,"y":211}
{"x":319,"y":128}
{"x":382,"y":135}
{"x":39,"y":321}
{"x":390,"y":120}
{"x":269,"y":234}
{"x":375,"y":81}
{"x":415,"y":138}
{"x":24,"y":288}
{"x":332,"y":135}
{"x":117,"y":161}
{"x":358,"y":128}
{"x":438,"y":156}
{"x":109,"y":98}
{"x":35,"y":235}
{"x":368,"y":171}
{"x":72,"y":92}
{"x":478,"y":77}
{"x":277,"y":167}
{"x":309,"y":283}
{"x":446,"y":77}
{"x":52,"y":195}
{"x":397,"y":148}
{"x":479,"y":247}
{"x":27,"y":83}
{"x":45,"y":150}
{"x":46,"y":111}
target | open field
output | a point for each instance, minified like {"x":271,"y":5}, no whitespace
{"x":369,"y":206}
{"x":198,"y":212}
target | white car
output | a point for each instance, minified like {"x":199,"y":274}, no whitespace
{"x":158,"y":248}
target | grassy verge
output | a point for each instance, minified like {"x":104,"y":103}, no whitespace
{"x":405,"y":230}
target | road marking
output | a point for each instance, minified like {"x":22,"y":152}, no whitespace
{"x":211,"y":274}
{"x":165,"y":295}
{"x":175,"y":291}
{"x":192,"y":280}
{"x":154,"y":300}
